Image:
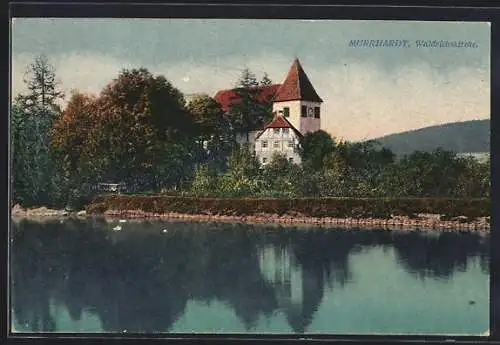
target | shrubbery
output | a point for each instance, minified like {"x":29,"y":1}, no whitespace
{"x":316,"y":207}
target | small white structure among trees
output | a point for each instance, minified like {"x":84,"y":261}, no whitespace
{"x":278,"y":137}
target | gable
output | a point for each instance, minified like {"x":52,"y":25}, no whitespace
{"x":279,"y":122}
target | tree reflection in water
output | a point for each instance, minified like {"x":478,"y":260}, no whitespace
{"x":440,"y":256}
{"x":141,"y":278}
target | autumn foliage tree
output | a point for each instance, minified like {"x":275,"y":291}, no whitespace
{"x":136,"y":131}
{"x":70,"y":132}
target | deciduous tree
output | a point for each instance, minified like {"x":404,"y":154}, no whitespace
{"x":281,"y":177}
{"x":314,"y":147}
{"x":243,"y":175}
{"x":215,"y":139}
{"x":136,"y":131}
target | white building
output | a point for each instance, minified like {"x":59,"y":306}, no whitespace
{"x":278,"y":136}
{"x":297,"y":109}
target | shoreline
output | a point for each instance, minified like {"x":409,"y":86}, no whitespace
{"x":424,"y":222}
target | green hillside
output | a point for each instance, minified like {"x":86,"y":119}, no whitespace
{"x":460,"y":137}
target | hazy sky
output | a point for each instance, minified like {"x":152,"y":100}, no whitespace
{"x":367,"y":92}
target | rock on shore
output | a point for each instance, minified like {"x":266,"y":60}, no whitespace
{"x":20,"y":212}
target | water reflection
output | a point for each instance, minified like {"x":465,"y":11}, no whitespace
{"x":140,"y":279}
{"x":440,"y":256}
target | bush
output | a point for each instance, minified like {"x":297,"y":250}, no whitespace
{"x":97,"y":208}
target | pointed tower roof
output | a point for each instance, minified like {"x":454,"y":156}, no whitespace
{"x":297,"y":86}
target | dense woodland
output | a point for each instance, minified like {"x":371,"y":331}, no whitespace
{"x":139,"y":131}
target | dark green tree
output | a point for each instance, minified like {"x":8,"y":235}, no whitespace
{"x":360,"y":165}
{"x":215,"y":140}
{"x":43,"y":91}
{"x":266,"y":81}
{"x":243,"y":175}
{"x":36,"y":175}
{"x":281,"y":177}
{"x":424,"y":174}
{"x":251,"y":112}
{"x":314,"y":147}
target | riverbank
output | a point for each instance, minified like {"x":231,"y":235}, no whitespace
{"x":420,"y":222}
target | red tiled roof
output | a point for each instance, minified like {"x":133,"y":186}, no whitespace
{"x":227,"y":98}
{"x":279,"y":122}
{"x":297,"y":86}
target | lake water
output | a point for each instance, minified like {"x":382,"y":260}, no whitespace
{"x":154,"y":277}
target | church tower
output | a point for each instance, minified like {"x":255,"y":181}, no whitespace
{"x":297,"y":100}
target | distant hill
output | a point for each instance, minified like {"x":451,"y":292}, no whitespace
{"x":460,"y":137}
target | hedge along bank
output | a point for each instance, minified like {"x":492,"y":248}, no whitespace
{"x":383,"y":208}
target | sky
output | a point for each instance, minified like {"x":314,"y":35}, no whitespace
{"x":368,"y":92}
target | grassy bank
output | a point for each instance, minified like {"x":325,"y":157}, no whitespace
{"x":357,"y":208}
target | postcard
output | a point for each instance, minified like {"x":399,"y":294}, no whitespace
{"x":246,"y":176}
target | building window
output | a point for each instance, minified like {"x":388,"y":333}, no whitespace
{"x":290,"y":143}
{"x":286,"y":111}
{"x":276,"y":144}
{"x":264,"y":144}
{"x":264,"y":160}
{"x":316,"y":112}
{"x":285,"y":130}
{"x":276,"y":130}
{"x":303,"y":111}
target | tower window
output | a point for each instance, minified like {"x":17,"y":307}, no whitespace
{"x":285,"y":130}
{"x":286,"y":111}
{"x":264,"y":144}
{"x":290,"y":143}
{"x":303,"y":111}
{"x":316,"y":112}
{"x":276,"y":144}
{"x":276,"y":130}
